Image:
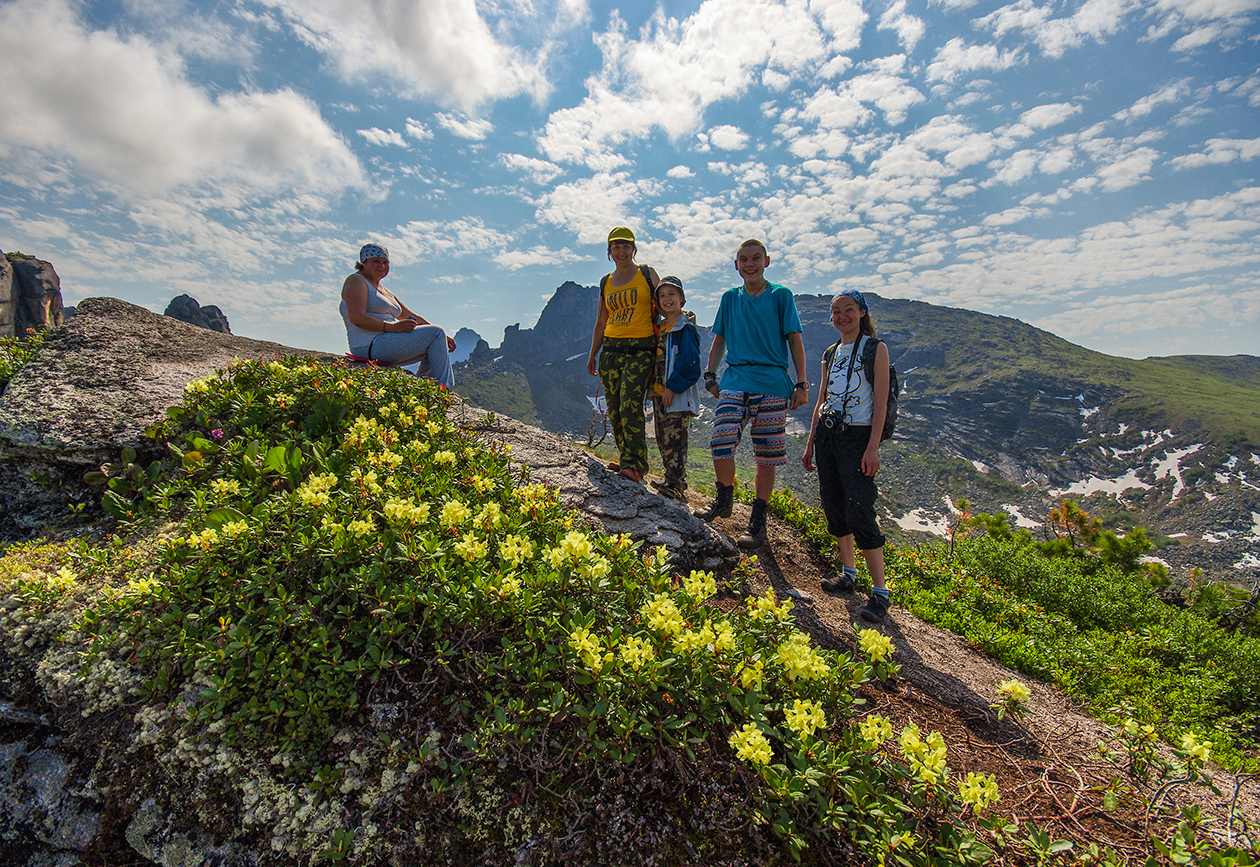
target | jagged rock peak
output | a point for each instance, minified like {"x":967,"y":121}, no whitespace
{"x":186,"y":309}
{"x":30,"y":294}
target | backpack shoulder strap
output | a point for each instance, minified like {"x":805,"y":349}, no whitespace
{"x":868,"y":357}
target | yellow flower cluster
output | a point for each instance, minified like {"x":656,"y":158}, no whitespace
{"x":510,"y":585}
{"x":445,"y":456}
{"x":805,"y":717}
{"x":588,"y":650}
{"x":367,"y":481}
{"x":662,"y":614}
{"x":314,"y":491}
{"x":800,"y":660}
{"x":875,"y":644}
{"x":699,"y":585}
{"x":403,"y":510}
{"x":576,"y":546}
{"x":198,"y":386}
{"x":533,"y":495}
{"x":926,"y":758}
{"x":361,"y":528}
{"x":751,"y":745}
{"x":515,"y":549}
{"x":765,"y":607}
{"x":875,"y":730}
{"x":471,"y":548}
{"x":1141,"y":733}
{"x":455,"y":513}
{"x":689,"y":640}
{"x":66,"y":579}
{"x":1200,"y":751}
{"x":490,"y":517}
{"x":391,"y":459}
{"x":365,"y":430}
{"x":594,"y":568}
{"x":723,"y":637}
{"x":636,"y":652}
{"x":979,"y":790}
{"x":1013,"y":692}
{"x":482,"y":484}
{"x":232,"y":529}
{"x":205,"y":539}
{"x":752,"y":675}
{"x":225,"y":487}
{"x":419,"y":447}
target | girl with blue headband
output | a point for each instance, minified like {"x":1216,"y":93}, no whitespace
{"x":843,"y":445}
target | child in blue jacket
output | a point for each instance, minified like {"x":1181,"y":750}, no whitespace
{"x":679,"y":397}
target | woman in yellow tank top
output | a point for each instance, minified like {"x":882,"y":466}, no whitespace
{"x":623,"y":349}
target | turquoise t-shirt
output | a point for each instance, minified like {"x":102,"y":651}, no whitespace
{"x":755,"y":329}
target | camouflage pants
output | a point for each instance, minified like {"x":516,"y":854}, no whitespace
{"x":625,"y":370}
{"x":671,"y":439}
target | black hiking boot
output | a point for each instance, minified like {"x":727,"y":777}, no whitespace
{"x":755,"y":536}
{"x":721,"y":507}
{"x":876,"y":609}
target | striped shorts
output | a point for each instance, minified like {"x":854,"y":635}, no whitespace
{"x":768,"y":415}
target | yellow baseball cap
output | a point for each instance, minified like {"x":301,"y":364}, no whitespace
{"x":621,"y":233}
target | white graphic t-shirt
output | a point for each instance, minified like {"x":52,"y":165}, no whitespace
{"x":841,"y":380}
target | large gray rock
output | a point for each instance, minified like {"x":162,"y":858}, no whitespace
{"x":98,"y":382}
{"x":44,"y":799}
{"x":30,"y":294}
{"x":186,"y":309}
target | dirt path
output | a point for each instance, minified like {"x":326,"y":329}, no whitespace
{"x":1047,"y":764}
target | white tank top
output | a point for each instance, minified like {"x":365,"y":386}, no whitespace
{"x":861,"y":395}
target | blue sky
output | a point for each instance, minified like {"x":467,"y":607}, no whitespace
{"x":1087,"y":167}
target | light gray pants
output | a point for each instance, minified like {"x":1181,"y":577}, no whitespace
{"x":426,"y":344}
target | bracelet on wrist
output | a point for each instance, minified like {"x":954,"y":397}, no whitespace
{"x":710,"y":376}
{"x":804,"y":385}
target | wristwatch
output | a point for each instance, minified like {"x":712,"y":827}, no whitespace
{"x":804,"y":385}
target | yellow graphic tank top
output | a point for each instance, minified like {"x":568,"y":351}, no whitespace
{"x":629,"y":308}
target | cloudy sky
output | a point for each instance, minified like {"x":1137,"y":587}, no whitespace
{"x":1087,"y":167}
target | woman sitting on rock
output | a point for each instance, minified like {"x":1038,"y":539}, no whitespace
{"x":381,"y":328}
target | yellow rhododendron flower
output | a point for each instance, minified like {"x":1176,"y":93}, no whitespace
{"x":576,"y":545}
{"x":751,"y":745}
{"x":515,"y":549}
{"x":805,"y":717}
{"x":979,"y":790}
{"x":662,"y":614}
{"x":1013,"y":691}
{"x":752,"y":675}
{"x":455,"y":513}
{"x":636,"y":652}
{"x":1200,"y":751}
{"x":875,"y":644}
{"x":445,"y":456}
{"x":699,"y":585}
{"x":225,"y":487}
{"x":875,"y":730}
{"x":471,"y":548}
{"x":800,"y":660}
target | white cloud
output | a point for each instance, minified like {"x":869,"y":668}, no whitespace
{"x":1220,"y":151}
{"x":909,"y":28}
{"x":956,"y":59}
{"x":680,"y":172}
{"x":1173,"y":93}
{"x":728,"y":138}
{"x":1128,"y":169}
{"x":676,"y":69}
{"x":123,"y":110}
{"x":1044,"y":116}
{"x":471,"y":128}
{"x":515,"y":260}
{"x":445,"y":50}
{"x":417,"y":130}
{"x":382,"y":137}
{"x":589,"y":207}
{"x":541,"y":171}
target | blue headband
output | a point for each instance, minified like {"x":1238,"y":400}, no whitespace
{"x":855,"y":295}
{"x":370,"y":251}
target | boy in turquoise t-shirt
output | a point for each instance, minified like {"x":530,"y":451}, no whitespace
{"x":758,"y":329}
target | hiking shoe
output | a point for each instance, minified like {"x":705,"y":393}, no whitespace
{"x":876,"y":609}
{"x":842,"y":583}
{"x":720,"y":507}
{"x":673,"y":492}
{"x":755,"y":536}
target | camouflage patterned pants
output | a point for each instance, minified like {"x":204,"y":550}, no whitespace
{"x":671,"y":439}
{"x":625,"y":370}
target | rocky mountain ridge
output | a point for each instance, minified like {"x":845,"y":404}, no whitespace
{"x":1009,"y":416}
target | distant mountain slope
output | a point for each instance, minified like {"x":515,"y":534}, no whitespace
{"x":993,"y":409}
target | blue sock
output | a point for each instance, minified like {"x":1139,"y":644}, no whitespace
{"x":852,"y":573}
{"x":880,"y":591}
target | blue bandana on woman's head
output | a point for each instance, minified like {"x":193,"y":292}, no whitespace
{"x":856,"y":296}
{"x":372,"y":251}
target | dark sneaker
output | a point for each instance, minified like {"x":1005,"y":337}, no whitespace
{"x":876,"y":609}
{"x":842,"y":583}
{"x":665,"y":489}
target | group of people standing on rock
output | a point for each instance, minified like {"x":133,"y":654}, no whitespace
{"x":646,"y":345}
